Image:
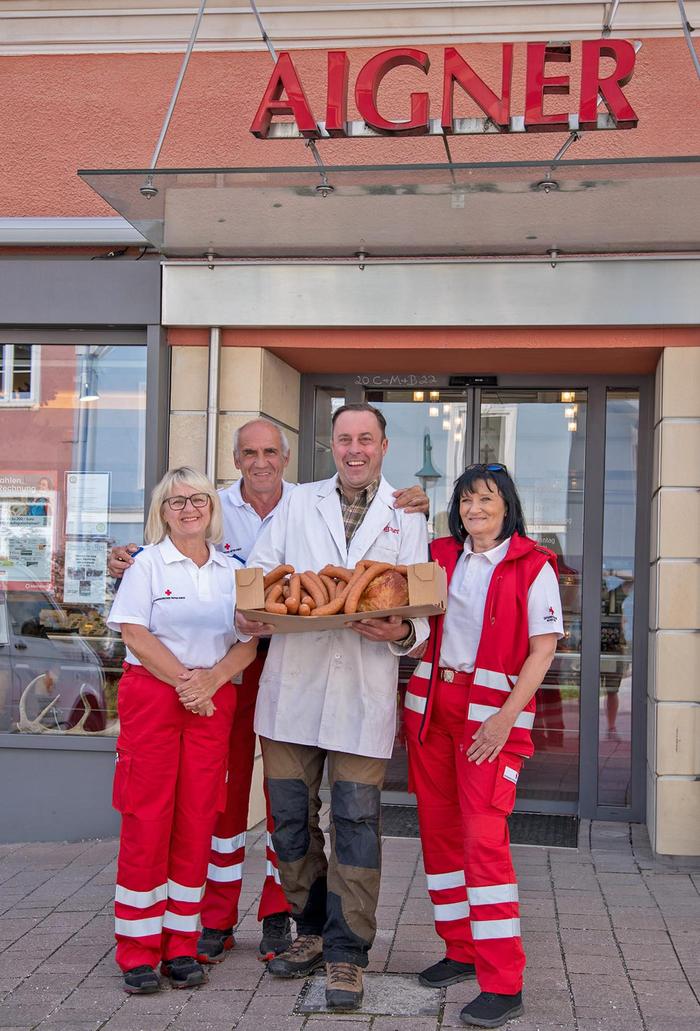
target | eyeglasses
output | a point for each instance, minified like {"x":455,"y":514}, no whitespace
{"x":180,"y":501}
{"x":490,"y":467}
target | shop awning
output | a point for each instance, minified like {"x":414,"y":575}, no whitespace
{"x":582,"y":207}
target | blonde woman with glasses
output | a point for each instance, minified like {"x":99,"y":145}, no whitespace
{"x":175,"y":611}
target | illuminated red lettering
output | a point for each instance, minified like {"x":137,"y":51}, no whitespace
{"x":337,"y":92}
{"x":458,"y":70}
{"x":609,"y":87}
{"x":284,"y":79}
{"x":369,"y":81}
{"x":538,"y":85}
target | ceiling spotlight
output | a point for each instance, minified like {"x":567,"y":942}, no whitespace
{"x":418,"y":395}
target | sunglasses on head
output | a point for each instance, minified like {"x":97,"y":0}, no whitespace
{"x":490,"y":467}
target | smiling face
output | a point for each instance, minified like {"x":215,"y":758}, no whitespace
{"x":482,"y":511}
{"x":261,"y":459}
{"x":189,"y":523}
{"x":358,"y":448}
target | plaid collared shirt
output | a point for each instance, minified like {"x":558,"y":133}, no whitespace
{"x":353,"y":514}
{"x":355,"y":511}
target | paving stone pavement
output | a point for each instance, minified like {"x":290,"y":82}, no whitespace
{"x":612,"y":938}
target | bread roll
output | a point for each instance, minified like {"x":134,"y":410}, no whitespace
{"x":389,"y":590}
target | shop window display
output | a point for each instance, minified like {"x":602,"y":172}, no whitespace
{"x":71,"y":485}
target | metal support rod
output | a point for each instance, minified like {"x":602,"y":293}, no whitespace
{"x":608,"y":23}
{"x":574,"y":137}
{"x":687,"y":29}
{"x":273,"y":54}
{"x":213,"y":401}
{"x":178,"y":84}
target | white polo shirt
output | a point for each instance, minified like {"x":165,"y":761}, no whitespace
{"x":466,"y":601}
{"x":242,"y":524}
{"x":188,"y":608}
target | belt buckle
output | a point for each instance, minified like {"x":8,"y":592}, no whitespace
{"x":448,"y":675}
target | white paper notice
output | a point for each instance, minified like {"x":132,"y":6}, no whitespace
{"x":85,"y":577}
{"x":87,"y":504}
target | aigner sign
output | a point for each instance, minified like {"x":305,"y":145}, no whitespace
{"x":606,"y":66}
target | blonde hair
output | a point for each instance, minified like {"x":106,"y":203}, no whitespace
{"x":156,"y":527}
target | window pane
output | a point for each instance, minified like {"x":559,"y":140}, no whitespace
{"x":617,"y":598}
{"x":71,"y":485}
{"x":327,"y":402}
{"x":22,"y":372}
{"x":540,"y":436}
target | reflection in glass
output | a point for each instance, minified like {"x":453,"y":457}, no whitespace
{"x":328,"y":401}
{"x":617,"y":598}
{"x":426,"y":445}
{"x":71,"y":485}
{"x":541,"y":441}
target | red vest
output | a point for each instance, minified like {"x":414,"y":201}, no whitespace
{"x":503,"y":646}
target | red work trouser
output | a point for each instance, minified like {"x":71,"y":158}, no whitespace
{"x":224,"y":878}
{"x":462,"y":810}
{"x":169,"y":783}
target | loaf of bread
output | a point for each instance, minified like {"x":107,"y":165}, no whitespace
{"x":389,"y":590}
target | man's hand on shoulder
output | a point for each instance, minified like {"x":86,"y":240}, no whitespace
{"x":120,"y":558}
{"x":413,"y":500}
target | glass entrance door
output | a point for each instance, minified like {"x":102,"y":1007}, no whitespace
{"x":573,"y":453}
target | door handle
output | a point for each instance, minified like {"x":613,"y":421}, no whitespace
{"x":21,"y":647}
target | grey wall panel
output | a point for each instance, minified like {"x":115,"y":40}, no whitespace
{"x":576,"y":293}
{"x":57,"y":793}
{"x":79,"y":293}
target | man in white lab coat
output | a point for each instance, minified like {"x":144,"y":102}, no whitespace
{"x":331,"y":696}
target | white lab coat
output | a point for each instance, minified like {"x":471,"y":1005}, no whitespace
{"x":334,"y":688}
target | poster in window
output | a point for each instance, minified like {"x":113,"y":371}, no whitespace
{"x":85,"y":573}
{"x":87,"y":504}
{"x":27,"y":522}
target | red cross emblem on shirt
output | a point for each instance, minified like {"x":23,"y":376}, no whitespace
{"x":227,"y":546}
{"x":551,"y":611}
{"x":167,"y":593}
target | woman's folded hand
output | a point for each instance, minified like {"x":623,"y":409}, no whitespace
{"x":196,"y":690}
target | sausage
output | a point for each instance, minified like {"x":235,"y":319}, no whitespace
{"x":304,"y":610}
{"x":273,"y":603}
{"x":294,"y":597}
{"x":332,"y":608}
{"x":308,"y":601}
{"x":278,"y":573}
{"x":330,"y":585}
{"x":338,"y":573}
{"x":313,"y":585}
{"x":358,"y":584}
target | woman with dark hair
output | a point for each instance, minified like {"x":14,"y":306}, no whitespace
{"x":470,"y":706}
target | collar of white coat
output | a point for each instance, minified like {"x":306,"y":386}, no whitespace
{"x":170,"y":554}
{"x":385,"y":492}
{"x":233,"y":496}
{"x":494,"y":555}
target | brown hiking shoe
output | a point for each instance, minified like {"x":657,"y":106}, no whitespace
{"x":343,"y":986}
{"x":301,"y":958}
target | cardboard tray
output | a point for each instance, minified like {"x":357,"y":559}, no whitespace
{"x":427,"y":596}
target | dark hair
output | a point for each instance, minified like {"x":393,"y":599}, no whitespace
{"x":490,"y":473}
{"x":360,"y":406}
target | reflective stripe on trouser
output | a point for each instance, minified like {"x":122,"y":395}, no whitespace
{"x":337,"y":897}
{"x":224,"y":880}
{"x":168,"y":785}
{"x":462,"y":810}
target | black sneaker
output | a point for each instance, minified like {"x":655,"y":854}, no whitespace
{"x":492,"y":1010}
{"x":446,"y":971}
{"x":141,"y":981}
{"x":301,"y":958}
{"x":183,"y":972}
{"x":276,"y":935}
{"x":213,"y":945}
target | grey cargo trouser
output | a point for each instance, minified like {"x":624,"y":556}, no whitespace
{"x":335,"y":898}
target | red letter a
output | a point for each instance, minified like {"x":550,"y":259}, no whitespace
{"x":284,"y":79}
